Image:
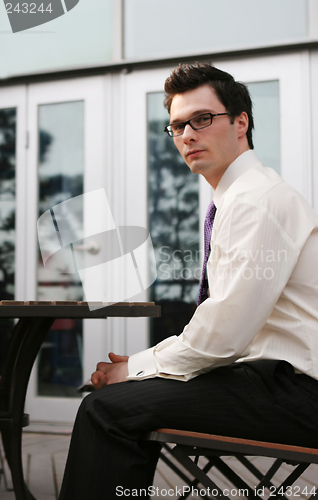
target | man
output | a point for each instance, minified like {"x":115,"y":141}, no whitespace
{"x":249,"y":354}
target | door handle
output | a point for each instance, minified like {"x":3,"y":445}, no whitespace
{"x":90,"y":247}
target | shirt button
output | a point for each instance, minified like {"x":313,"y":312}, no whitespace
{"x":140,"y":373}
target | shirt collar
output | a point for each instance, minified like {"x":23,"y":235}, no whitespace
{"x":238,"y":167}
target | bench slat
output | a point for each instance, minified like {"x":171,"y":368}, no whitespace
{"x":235,"y":445}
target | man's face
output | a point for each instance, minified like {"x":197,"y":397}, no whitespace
{"x":208,"y":151}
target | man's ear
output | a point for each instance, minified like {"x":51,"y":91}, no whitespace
{"x":242,"y":124}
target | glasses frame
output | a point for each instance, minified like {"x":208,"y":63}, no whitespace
{"x":188,"y":122}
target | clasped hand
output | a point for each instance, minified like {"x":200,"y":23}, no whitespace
{"x":110,"y":373}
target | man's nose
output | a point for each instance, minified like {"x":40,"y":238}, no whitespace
{"x":188,"y":133}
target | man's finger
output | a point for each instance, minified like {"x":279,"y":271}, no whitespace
{"x":115,"y":358}
{"x":96,"y":376}
{"x":102,"y":381}
{"x":102,"y":366}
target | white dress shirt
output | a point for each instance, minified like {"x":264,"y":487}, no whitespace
{"x":263,"y":282}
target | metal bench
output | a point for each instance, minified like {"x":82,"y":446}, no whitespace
{"x":188,"y":444}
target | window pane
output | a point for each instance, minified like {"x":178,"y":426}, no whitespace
{"x":61,"y":174}
{"x":266,"y":136}
{"x":7,"y":217}
{"x":80,"y":37}
{"x":174,"y":226}
{"x":163,"y":28}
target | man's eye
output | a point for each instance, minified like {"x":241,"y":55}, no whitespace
{"x":201,"y":120}
{"x":177,"y":127}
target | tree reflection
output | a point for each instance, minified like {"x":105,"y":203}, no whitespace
{"x":174,"y":218}
{"x":173,"y":206}
{"x":7,"y":217}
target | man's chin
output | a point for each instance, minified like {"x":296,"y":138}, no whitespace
{"x":197,"y":168}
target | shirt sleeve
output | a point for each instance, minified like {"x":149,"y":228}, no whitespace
{"x":250,"y":263}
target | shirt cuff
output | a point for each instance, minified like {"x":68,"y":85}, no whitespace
{"x":142,"y":365}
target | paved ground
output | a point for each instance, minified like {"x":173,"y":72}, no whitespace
{"x":44,"y":456}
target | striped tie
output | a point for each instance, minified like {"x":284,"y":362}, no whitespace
{"x":208,"y":224}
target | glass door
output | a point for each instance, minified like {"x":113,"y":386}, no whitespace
{"x":173,"y":201}
{"x":65,"y":159}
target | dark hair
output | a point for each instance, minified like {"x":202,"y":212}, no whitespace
{"x":233,"y":95}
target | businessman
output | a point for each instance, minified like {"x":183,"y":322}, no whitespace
{"x":246,"y":365}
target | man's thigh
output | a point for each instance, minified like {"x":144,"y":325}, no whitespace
{"x":235,"y":400}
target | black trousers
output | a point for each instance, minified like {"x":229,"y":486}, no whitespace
{"x":263,"y":400}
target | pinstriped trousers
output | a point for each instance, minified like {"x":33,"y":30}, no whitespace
{"x":263,"y":400}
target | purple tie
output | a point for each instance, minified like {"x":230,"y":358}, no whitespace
{"x":208,"y":224}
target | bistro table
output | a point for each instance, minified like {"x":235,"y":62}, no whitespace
{"x":35,"y":320}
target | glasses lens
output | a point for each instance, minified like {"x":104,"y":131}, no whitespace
{"x":201,"y":121}
{"x":176,"y":129}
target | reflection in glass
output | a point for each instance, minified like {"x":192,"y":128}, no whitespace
{"x":173,"y":204}
{"x":7,"y":217}
{"x":61,"y":174}
{"x":266,"y":136}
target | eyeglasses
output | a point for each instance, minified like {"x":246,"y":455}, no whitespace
{"x":197,"y":122}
